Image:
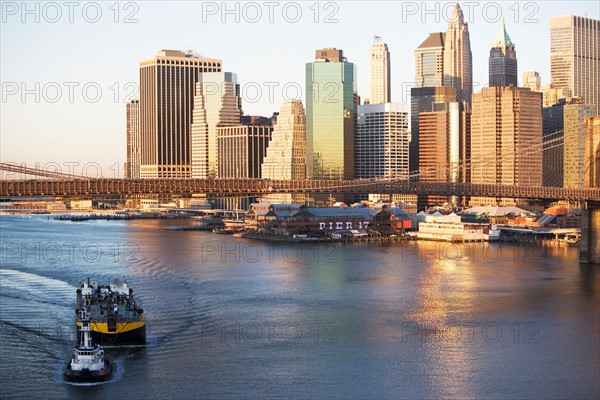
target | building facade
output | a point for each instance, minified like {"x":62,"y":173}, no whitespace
{"x":217,"y":103}
{"x":591,"y":167}
{"x":167,"y":86}
{"x":553,"y":123}
{"x":575,"y":56}
{"x":575,"y":141}
{"x":422,"y":100}
{"x":382,"y":140}
{"x":444,"y":147}
{"x":132,"y":166}
{"x":458,"y":63}
{"x":506,"y":139}
{"x":330,"y":115}
{"x":381,"y":82}
{"x":503,"y":60}
{"x":429,"y":61}
{"x":286,"y":153}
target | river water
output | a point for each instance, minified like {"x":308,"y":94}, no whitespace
{"x":234,"y":318}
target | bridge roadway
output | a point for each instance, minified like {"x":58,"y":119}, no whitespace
{"x":256,"y":187}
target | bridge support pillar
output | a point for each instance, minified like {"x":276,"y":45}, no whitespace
{"x":589,"y":251}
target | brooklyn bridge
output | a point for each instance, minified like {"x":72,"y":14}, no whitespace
{"x":49,"y":183}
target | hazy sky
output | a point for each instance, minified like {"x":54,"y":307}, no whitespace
{"x":68,"y":68}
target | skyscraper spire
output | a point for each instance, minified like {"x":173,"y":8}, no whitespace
{"x":458,"y":65}
{"x":503,"y":60}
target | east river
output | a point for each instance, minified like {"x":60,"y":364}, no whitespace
{"x":232,"y":318}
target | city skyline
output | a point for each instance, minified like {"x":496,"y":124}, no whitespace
{"x":30,"y":128}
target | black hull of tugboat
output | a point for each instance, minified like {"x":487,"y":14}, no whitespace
{"x":87,"y":376}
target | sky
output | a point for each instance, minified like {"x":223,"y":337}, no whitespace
{"x":68,"y":68}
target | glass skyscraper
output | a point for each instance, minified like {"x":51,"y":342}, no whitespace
{"x":330,"y":114}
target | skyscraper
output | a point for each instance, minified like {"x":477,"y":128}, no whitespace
{"x":216,"y":103}
{"x":591,"y":166}
{"x":422,"y":99}
{"x":503,"y":60}
{"x":553,"y":123}
{"x":575,"y":56}
{"x":429,"y":61}
{"x":286,"y":152}
{"x":506,"y":139}
{"x":574,"y":142}
{"x":444,"y":146}
{"x":132,"y":166}
{"x":330,"y":114}
{"x":380,"y":73}
{"x":167,"y":86}
{"x":242,"y":149}
{"x":382,"y":140}
{"x":458,"y":64}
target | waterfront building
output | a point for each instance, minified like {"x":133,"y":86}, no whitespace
{"x":506,"y":139}
{"x":450,"y":228}
{"x":132,"y":165}
{"x":330,"y":115}
{"x":458,"y":64}
{"x":300,"y":221}
{"x":574,"y":157}
{"x":167,"y":87}
{"x":217,"y":103}
{"x":444,"y":148}
{"x":286,"y":153}
{"x":381,"y":84}
{"x":575,"y":56}
{"x":503,"y":60}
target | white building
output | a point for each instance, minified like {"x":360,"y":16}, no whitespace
{"x":380,"y":73}
{"x":382,"y":139}
{"x":449,"y":228}
{"x":216,"y":104}
{"x":286,"y":152}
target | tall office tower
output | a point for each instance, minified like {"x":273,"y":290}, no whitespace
{"x":330,"y":115}
{"x":132,"y":166}
{"x":503,"y":60}
{"x":382,"y":140}
{"x":242,"y":149}
{"x":506,"y":139}
{"x":575,"y":56}
{"x":216,"y":103}
{"x":381,"y":89}
{"x":591,"y":166}
{"x":167,"y":86}
{"x":429,"y":61}
{"x":286,"y":152}
{"x":444,"y":147}
{"x":553,"y":123}
{"x":574,"y":139}
{"x":458,"y":64}
{"x":422,"y":100}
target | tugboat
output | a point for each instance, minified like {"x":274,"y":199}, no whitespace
{"x":88,"y":363}
{"x":115,"y":314}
